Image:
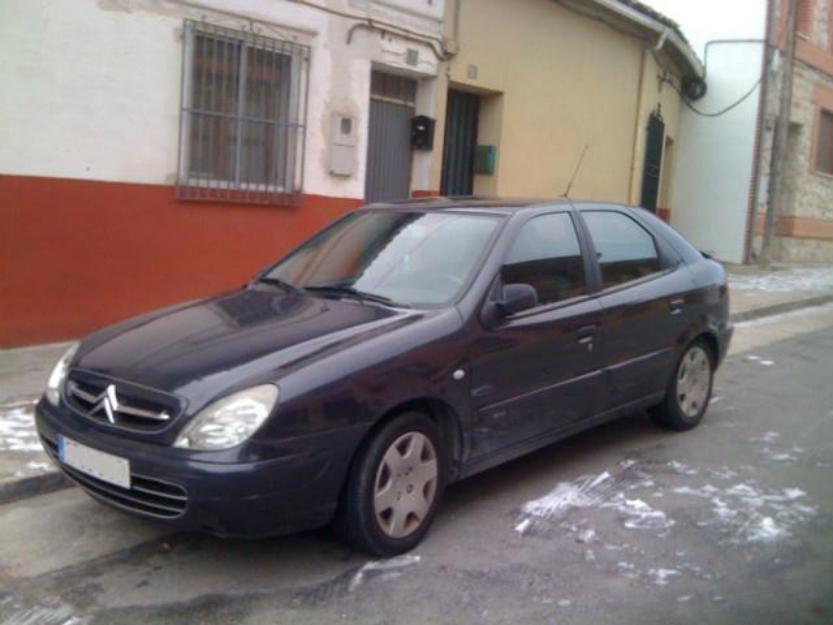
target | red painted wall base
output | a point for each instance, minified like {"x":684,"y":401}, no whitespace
{"x":77,"y":254}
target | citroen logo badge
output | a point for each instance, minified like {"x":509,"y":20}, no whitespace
{"x":109,"y":402}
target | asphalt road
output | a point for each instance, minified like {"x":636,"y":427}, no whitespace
{"x":730,"y":523}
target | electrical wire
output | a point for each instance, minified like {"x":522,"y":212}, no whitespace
{"x":665,"y":68}
{"x":722,"y":111}
{"x":664,"y":78}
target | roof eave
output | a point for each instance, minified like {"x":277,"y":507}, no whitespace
{"x":686,"y":54}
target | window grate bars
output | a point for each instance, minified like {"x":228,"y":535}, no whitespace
{"x":242,"y":116}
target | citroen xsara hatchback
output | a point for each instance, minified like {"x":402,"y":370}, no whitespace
{"x":403,"y":347}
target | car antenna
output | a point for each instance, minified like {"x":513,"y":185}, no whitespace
{"x":575,"y":173}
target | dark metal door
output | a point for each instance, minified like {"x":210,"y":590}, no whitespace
{"x":653,"y":162}
{"x":389,"y":138}
{"x":462,"y":112}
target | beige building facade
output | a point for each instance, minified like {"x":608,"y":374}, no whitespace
{"x":557,"y":80}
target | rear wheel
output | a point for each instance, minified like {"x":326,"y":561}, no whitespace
{"x":394,"y":487}
{"x":689,"y":390}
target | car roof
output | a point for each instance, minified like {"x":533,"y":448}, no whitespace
{"x":490,"y":204}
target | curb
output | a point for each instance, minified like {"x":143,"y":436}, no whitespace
{"x":55,"y":480}
{"x":777,"y":309}
{"x":26,"y":487}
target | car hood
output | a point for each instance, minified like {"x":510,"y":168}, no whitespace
{"x":202,"y":348}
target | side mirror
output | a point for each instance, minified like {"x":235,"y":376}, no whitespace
{"x":517,"y":298}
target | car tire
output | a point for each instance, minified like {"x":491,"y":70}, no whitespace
{"x":689,"y":390}
{"x":394,"y":487}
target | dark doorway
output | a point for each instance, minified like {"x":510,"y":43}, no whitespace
{"x":462,"y":112}
{"x":392,"y":102}
{"x":653,"y":162}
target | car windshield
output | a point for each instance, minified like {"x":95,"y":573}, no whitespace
{"x":408,"y":258}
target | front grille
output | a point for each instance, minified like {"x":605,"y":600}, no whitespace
{"x":146,"y":495}
{"x":120,"y":405}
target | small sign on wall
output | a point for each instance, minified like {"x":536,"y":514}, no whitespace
{"x":485,"y":159}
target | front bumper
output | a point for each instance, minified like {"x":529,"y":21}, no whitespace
{"x":295,"y":488}
{"x":724,"y":340}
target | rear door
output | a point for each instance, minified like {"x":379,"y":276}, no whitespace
{"x":644,"y":289}
{"x":537,"y":371}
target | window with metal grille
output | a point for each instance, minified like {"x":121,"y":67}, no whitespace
{"x":824,"y":143}
{"x":242,"y":117}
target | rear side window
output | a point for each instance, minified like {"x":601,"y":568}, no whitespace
{"x":547,"y":256}
{"x":626,"y":251}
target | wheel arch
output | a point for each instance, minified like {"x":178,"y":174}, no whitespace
{"x":438,"y":410}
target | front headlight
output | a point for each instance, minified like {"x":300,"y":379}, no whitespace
{"x":229,"y":421}
{"x":55,"y":383}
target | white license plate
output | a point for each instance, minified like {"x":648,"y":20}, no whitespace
{"x":104,"y":466}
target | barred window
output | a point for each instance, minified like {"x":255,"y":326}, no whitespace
{"x":242,"y":117}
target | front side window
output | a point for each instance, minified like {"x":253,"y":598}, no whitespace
{"x":547,"y":256}
{"x":241,"y":122}
{"x":413,"y":258}
{"x":625,"y":250}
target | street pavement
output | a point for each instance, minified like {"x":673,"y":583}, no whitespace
{"x":627,"y":523}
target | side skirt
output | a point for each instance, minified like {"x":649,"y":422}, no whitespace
{"x":482,"y":463}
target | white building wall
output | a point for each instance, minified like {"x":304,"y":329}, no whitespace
{"x":715,"y":156}
{"x":93,"y":86}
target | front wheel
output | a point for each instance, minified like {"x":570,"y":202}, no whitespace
{"x":394,"y":487}
{"x":689,"y":390}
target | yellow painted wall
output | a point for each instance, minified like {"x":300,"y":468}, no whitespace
{"x":552,"y":82}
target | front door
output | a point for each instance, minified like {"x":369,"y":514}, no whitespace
{"x":537,"y":372}
{"x":392,"y":101}
{"x":461,"y":121}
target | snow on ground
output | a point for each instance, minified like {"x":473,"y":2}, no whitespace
{"x":739,"y":512}
{"x":17,"y":428}
{"x":787,"y":281}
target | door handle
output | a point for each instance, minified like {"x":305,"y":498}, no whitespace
{"x":586,"y":335}
{"x":676,"y":305}
{"x":587,"y":331}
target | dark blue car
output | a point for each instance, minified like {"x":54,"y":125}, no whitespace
{"x":404,"y":347}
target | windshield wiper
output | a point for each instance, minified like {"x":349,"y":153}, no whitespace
{"x":349,"y":291}
{"x":289,"y":288}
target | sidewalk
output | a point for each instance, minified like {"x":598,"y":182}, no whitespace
{"x":25,"y":469}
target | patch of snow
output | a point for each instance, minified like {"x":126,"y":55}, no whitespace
{"x":597,"y":491}
{"x":581,"y":493}
{"x":766,"y":437}
{"x":766,"y":529}
{"x":17,"y":430}
{"x":788,"y":281}
{"x":639,"y":515}
{"x":753,"y":515}
{"x":564,"y":603}
{"x":586,"y":535}
{"x":767,"y":363}
{"x":681,"y":468}
{"x":661,"y":576}
{"x":523,"y":526}
{"x":381,"y":566}
{"x":684,"y":598}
